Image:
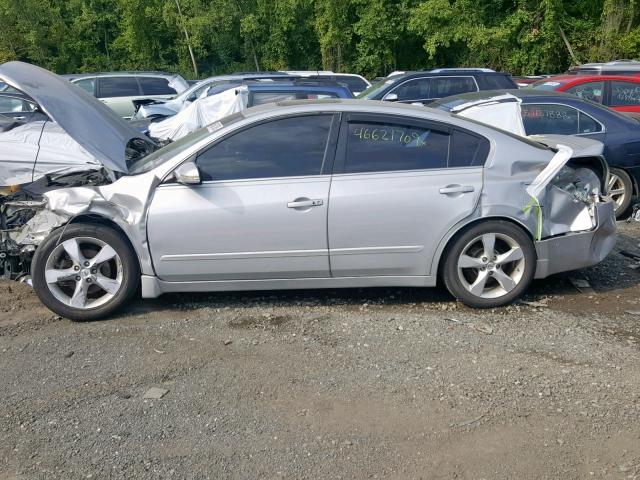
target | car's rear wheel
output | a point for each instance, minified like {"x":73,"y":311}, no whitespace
{"x":620,"y":190}
{"x":85,"y":272}
{"x":490,"y":265}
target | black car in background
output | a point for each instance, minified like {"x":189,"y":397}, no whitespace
{"x":429,"y":85}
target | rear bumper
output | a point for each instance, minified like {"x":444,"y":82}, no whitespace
{"x":578,"y":250}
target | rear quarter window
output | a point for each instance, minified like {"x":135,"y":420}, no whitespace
{"x":155,"y":86}
{"x":110,"y":87}
{"x":495,"y":82}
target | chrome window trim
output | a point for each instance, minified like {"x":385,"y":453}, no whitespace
{"x":429,"y":77}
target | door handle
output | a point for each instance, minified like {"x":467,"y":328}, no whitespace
{"x":305,"y":203}
{"x":449,"y":189}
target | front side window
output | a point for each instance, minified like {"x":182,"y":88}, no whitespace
{"x":87,"y":84}
{"x":288,"y":147}
{"x":15,"y":105}
{"x":625,"y":93}
{"x":417,"y":89}
{"x":111,"y":87}
{"x":447,"y":86}
{"x":593,"y":91}
{"x":379,"y":147}
{"x":155,"y":86}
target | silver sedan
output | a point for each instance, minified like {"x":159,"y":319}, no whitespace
{"x":324,"y":195}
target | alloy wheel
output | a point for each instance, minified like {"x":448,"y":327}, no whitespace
{"x":616,"y":190}
{"x":83,"y":272}
{"x":491,"y":265}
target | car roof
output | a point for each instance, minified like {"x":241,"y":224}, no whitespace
{"x":448,"y":72}
{"x":119,"y":74}
{"x":589,"y":78}
{"x":297,"y":84}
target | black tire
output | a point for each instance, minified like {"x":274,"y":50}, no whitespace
{"x":623,"y":208}
{"x":113,"y":238}
{"x":450,"y":273}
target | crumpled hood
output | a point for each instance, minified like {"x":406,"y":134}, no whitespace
{"x":89,"y":122}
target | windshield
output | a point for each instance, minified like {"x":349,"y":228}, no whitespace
{"x":549,"y":85}
{"x":169,"y":151}
{"x":375,"y":88}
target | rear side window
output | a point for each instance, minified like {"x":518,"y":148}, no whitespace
{"x":557,"y":119}
{"x":467,"y":150}
{"x":593,"y":91}
{"x":287,"y":147}
{"x":625,"y":93}
{"x":379,"y":147}
{"x":444,"y":87}
{"x":417,"y":89}
{"x":495,"y":82}
{"x":355,"y":84}
{"x":87,"y":84}
{"x":118,"y":87}
{"x":155,"y":86}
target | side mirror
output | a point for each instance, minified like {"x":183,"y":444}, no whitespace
{"x":192,"y":98}
{"x":391,"y":97}
{"x":188,"y":174}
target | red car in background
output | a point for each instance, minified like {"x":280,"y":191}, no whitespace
{"x":621,"y":93}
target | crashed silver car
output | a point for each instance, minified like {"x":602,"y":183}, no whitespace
{"x":65,"y":130}
{"x":324,"y":194}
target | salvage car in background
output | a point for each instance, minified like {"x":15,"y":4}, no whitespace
{"x":119,"y":90}
{"x":243,"y":205}
{"x":429,"y":85}
{"x":153,"y":109}
{"x":210,"y":109}
{"x":616,"y":92}
{"x":536,"y":112}
{"x":615,"y":67}
{"x":54,"y":132}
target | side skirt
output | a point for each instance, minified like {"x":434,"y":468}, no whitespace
{"x":153,"y":287}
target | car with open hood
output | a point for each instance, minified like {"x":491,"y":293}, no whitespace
{"x":323,"y":194}
{"x":536,"y":112}
{"x":60,"y":128}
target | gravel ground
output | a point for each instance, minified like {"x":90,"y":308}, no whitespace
{"x":367,"y":383}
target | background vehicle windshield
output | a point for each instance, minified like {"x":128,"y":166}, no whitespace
{"x":545,"y":85}
{"x":373,"y":89}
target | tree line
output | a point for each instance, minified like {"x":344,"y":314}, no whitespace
{"x":372,"y":37}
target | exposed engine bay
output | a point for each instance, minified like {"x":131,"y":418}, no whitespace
{"x":20,"y":231}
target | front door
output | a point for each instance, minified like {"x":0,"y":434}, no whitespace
{"x":260,"y":213}
{"x":400,"y":185}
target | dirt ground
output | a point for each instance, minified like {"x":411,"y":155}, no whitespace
{"x":367,"y":383}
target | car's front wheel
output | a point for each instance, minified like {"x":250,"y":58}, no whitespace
{"x":85,"y":271}
{"x":490,"y":265}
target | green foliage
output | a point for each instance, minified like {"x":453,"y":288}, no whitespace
{"x":371,"y":37}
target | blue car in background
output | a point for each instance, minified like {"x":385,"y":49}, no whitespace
{"x":544,"y":112}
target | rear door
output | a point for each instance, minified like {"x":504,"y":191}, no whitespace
{"x":399,"y":185}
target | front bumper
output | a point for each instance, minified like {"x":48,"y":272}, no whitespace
{"x":578,"y":250}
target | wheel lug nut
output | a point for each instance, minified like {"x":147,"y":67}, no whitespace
{"x":491,"y":273}
{"x":77,"y":278}
{"x":76,"y":268}
{"x":88,"y":280}
{"x":86,"y":264}
{"x":484,"y":259}
{"x":93,"y":270}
